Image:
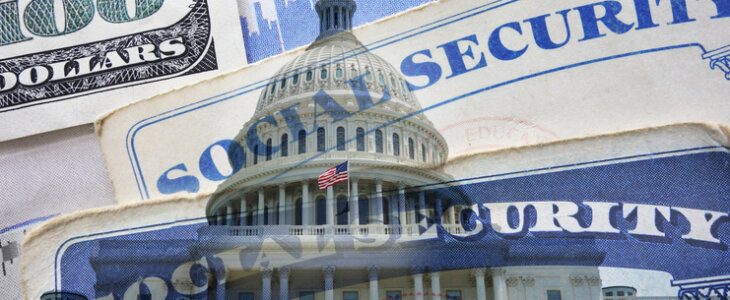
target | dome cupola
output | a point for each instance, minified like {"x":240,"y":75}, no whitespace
{"x":335,"y":16}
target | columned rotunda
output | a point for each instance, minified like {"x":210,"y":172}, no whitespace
{"x":380,"y":234}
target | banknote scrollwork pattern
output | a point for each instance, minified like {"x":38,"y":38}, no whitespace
{"x":181,"y":49}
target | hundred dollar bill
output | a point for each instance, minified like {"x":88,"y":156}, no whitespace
{"x":63,"y":63}
{"x":642,"y":212}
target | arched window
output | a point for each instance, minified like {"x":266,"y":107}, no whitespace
{"x":342,"y":210}
{"x":396,"y":144}
{"x":340,"y":138}
{"x":321,"y":210}
{"x":364,"y":210}
{"x":273,"y":86}
{"x":302,"y":141}
{"x":320,"y":139}
{"x":295,"y":79}
{"x":283,"y":83}
{"x":387,"y":216}
{"x":309,"y":75}
{"x":285,"y":145}
{"x":298,"y":211}
{"x":268,"y":150}
{"x":338,"y":73}
{"x":323,"y":75}
{"x":266,"y":216}
{"x":337,"y":19}
{"x":379,"y":141}
{"x":423,"y":152}
{"x":255,"y":154}
{"x":381,"y":79}
{"x":360,"y":139}
{"x":411,"y":149}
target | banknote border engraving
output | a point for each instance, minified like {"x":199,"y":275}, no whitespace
{"x":110,"y":64}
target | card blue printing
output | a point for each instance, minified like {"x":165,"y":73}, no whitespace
{"x":690,"y":178}
{"x":686,"y":178}
{"x":392,"y":40}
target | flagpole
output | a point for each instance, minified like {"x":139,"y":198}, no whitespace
{"x":349,"y":197}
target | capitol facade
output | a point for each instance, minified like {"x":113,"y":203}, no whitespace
{"x":393,"y":230}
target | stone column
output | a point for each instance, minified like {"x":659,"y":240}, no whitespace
{"x":330,"y":206}
{"x":284,"y":283}
{"x":528,"y":282}
{"x":412,"y":211}
{"x":421,"y":205}
{"x":340,"y":17}
{"x":272,"y":212}
{"x":242,"y":213}
{"x":379,"y":218}
{"x":282,"y":204}
{"x":219,"y":217}
{"x":577,"y":283}
{"x":451,"y":212}
{"x":266,"y":283}
{"x":229,"y":214}
{"x":332,"y":17}
{"x":260,"y":210}
{"x":349,"y":20}
{"x":481,"y":288}
{"x":417,"y":282}
{"x":329,"y":282}
{"x":437,"y":214}
{"x":594,"y":286}
{"x":435,"y":285}
{"x":292,"y":209}
{"x":354,"y":204}
{"x":373,"y":276}
{"x":402,"y":204}
{"x":305,"y":204}
{"x":513,"y":290}
{"x":499,"y":284}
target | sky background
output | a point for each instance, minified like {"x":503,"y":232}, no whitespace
{"x":272,"y":27}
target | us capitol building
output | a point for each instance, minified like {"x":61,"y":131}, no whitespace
{"x":394,"y":232}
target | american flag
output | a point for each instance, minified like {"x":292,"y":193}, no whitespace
{"x":333,"y":175}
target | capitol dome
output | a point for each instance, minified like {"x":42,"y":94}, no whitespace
{"x":330,"y":64}
{"x":336,"y":102}
{"x":337,"y":105}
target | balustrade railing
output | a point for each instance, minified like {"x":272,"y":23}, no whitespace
{"x":646,"y":298}
{"x":321,"y":230}
{"x":454,"y":228}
